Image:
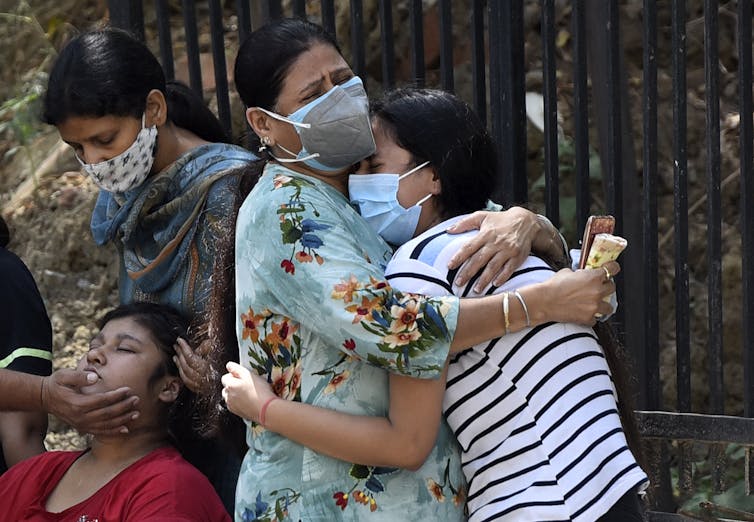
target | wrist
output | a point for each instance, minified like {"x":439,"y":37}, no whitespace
{"x":44,"y":394}
{"x":264,"y":410}
{"x":536,"y":300}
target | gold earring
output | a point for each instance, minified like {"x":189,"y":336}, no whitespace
{"x":265,"y":142}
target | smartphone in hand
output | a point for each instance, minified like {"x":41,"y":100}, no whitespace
{"x":594,"y":225}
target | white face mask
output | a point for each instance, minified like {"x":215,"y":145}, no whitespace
{"x":375,"y":196}
{"x":130,"y":168}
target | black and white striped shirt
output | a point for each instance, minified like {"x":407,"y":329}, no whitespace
{"x":535,"y":411}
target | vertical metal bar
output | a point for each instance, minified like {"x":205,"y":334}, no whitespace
{"x":243,"y":13}
{"x":494,"y":11}
{"x":128,"y":15}
{"x":416,"y":24}
{"x":272,"y":10}
{"x":746,"y":143}
{"x":610,"y":92}
{"x":581,"y":112}
{"x":714,"y":212}
{"x":328,"y":16}
{"x":388,"y":50}
{"x":513,"y":102}
{"x":549,"y":66}
{"x":299,"y":8}
{"x":649,"y":358}
{"x":680,"y":206}
{"x":358,"y":60}
{"x":478,"y":77}
{"x":615,"y":143}
{"x":446,"y":46}
{"x":166,"y":42}
{"x":217,"y":34}
{"x":192,"y":46}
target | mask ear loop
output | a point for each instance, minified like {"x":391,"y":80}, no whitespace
{"x":418,"y":167}
{"x":284,"y":119}
{"x":294,"y":159}
{"x":422,"y":200}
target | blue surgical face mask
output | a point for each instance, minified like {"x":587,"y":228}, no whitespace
{"x":335,"y":130}
{"x":375,"y":196}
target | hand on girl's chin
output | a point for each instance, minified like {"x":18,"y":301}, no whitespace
{"x":95,"y":386}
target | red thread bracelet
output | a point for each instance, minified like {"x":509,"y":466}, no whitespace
{"x":263,"y":409}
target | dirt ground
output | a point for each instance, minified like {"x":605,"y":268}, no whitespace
{"x":48,"y":203}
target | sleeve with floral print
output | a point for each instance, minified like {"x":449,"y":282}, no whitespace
{"x":318,"y":266}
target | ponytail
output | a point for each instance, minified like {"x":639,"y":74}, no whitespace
{"x":187,"y":110}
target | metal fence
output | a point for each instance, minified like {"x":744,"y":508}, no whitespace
{"x":493,"y":37}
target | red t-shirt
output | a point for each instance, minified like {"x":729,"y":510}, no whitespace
{"x":159,"y":486}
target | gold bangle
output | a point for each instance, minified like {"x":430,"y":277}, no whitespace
{"x":523,"y":305}
{"x":505,"y":312}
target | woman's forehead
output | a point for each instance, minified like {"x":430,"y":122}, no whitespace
{"x":319,"y":61}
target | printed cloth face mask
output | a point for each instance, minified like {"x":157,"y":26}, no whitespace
{"x":375,"y":196}
{"x":128,"y":169}
{"x":335,"y":130}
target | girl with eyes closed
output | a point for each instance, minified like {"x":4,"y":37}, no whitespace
{"x":136,"y":476}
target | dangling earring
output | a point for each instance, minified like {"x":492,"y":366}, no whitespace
{"x":265,"y":142}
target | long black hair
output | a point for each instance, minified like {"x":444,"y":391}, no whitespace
{"x":108,"y":72}
{"x":262,"y":63}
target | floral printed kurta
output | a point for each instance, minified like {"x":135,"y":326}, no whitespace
{"x":316,"y":316}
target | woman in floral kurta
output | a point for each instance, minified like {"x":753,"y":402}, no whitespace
{"x":317,"y":315}
{"x":314,"y":312}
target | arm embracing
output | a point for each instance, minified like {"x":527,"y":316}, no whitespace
{"x":567,"y":297}
{"x":504,"y":241}
{"x":403,"y":439}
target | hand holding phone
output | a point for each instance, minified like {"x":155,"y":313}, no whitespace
{"x":600,"y":246}
{"x":594,"y":225}
{"x":605,"y":248}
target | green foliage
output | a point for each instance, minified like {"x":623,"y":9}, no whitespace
{"x":19,"y":116}
{"x":28,"y":51}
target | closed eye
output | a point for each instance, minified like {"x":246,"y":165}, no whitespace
{"x":311,"y":97}
{"x":104,"y":141}
{"x":344,"y":79}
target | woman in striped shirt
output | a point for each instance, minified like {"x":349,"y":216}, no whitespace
{"x":535,"y":411}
